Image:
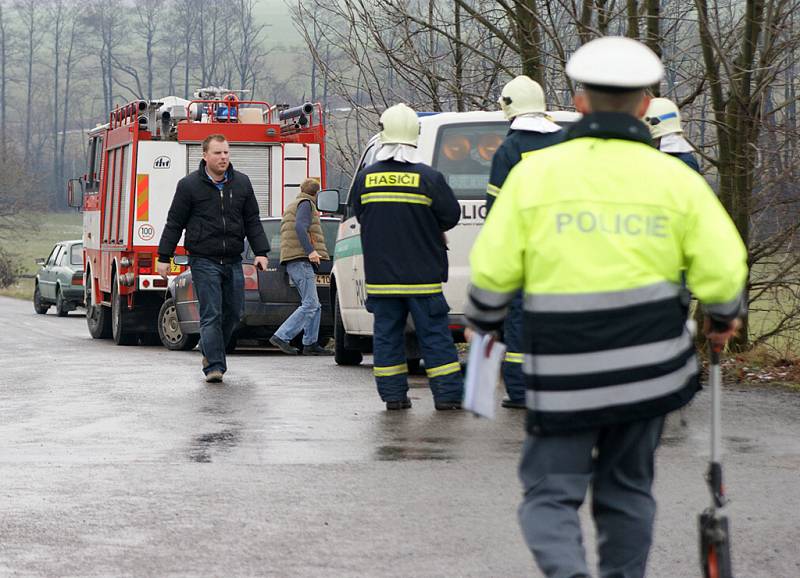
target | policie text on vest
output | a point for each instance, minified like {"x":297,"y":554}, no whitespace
{"x":629,"y":224}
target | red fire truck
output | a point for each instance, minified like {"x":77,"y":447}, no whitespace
{"x":134,"y":163}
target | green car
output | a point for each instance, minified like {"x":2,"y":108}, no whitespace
{"x":60,"y":280}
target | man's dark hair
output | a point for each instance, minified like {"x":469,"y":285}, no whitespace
{"x":209,"y":138}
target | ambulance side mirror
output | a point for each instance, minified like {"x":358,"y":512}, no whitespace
{"x":328,"y":202}
{"x":75,"y":193}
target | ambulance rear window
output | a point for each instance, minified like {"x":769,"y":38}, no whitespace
{"x":464,"y":155}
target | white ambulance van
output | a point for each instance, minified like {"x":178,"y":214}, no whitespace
{"x":460,"y":145}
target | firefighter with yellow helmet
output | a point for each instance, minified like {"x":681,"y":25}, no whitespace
{"x":664,"y":120}
{"x":596,"y":231}
{"x":404,"y":208}
{"x":522,"y":101}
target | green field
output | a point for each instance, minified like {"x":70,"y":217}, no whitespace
{"x":29,"y":245}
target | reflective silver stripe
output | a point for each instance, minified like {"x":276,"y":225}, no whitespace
{"x":733,"y":308}
{"x":471,"y":311}
{"x":608,"y":359}
{"x":576,"y":302}
{"x":492,"y":190}
{"x":492,"y":299}
{"x":600,"y":397}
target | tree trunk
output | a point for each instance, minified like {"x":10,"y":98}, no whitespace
{"x":458,"y":60}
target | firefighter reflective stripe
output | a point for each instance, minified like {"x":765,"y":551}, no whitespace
{"x":513,"y":357}
{"x":390,"y":370}
{"x":614,"y":395}
{"x":492,"y":190}
{"x":577,"y":302}
{"x":442,"y":370}
{"x":729,"y":310}
{"x":423,"y":289}
{"x":622,"y":358}
{"x":395,"y":197}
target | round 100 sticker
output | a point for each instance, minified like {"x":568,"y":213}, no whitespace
{"x":147,"y":232}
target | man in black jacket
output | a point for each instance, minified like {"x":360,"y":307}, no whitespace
{"x":217,"y":207}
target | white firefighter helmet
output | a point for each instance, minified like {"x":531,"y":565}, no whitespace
{"x":521,"y":95}
{"x":399,"y":124}
{"x":615,"y":62}
{"x":663,"y":118}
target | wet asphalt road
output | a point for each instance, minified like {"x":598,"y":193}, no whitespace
{"x":123,"y":462}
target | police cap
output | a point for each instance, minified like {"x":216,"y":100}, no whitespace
{"x":615,"y":63}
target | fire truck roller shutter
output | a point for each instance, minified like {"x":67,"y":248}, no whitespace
{"x":254,"y":160}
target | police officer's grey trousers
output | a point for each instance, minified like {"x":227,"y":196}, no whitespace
{"x":556,"y":472}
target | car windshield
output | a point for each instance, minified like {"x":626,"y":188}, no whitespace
{"x":76,"y":254}
{"x":272,"y":228}
{"x":464,"y":155}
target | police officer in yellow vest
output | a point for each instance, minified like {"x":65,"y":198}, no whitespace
{"x":404,"y":207}
{"x":302,"y":249}
{"x":596,"y":231}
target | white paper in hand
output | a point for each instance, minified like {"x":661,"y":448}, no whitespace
{"x":483,"y":372}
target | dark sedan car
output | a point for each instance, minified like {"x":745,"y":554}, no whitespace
{"x":270,"y":296}
{"x":59,"y":282}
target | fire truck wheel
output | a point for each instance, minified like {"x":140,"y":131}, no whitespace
{"x":98,"y":318}
{"x":121,"y":334}
{"x":169,"y":330}
{"x":38,"y":305}
{"x":342,"y":355}
{"x":62,"y":306}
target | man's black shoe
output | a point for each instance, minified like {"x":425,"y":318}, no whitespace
{"x":283,"y":345}
{"x":315,"y":349}
{"x":399,"y":404}
{"x":511,"y":404}
{"x":447,"y":405}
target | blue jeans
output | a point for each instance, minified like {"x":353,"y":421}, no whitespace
{"x":220,"y":293}
{"x":305,"y":318}
{"x":435,"y":342}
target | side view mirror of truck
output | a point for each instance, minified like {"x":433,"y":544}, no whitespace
{"x":328,"y":201}
{"x":75,"y":193}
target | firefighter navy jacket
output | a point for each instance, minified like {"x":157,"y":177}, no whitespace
{"x":404,"y":210}
{"x":508,"y":154}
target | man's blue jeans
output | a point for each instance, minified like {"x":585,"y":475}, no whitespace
{"x":305,"y":318}
{"x":220,"y":293}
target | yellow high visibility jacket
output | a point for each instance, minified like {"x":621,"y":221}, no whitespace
{"x":597,"y":231}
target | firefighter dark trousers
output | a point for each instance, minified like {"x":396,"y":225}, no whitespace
{"x":557,"y":470}
{"x":512,"y":366}
{"x":429,"y":314}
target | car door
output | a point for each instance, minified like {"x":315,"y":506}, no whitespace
{"x":348,"y":268}
{"x":47,"y":281}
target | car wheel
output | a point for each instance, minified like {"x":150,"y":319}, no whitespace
{"x":62,"y":307}
{"x":415,"y":367}
{"x":98,"y":317}
{"x":38,"y":305}
{"x":121,"y":334}
{"x":341,"y":354}
{"x":232,"y":343}
{"x":169,"y":329}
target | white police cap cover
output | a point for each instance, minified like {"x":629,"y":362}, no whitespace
{"x":615,"y":61}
